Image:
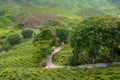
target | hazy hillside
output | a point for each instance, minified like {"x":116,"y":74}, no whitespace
{"x":16,"y":11}
{"x":79,"y":7}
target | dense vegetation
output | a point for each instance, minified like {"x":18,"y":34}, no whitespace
{"x":31,"y":29}
{"x":96,"y":35}
{"x":27,"y":33}
{"x":43,"y":41}
{"x":109,"y":73}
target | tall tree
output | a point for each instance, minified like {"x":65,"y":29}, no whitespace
{"x":111,"y":34}
{"x":87,"y":37}
{"x":62,"y":34}
{"x":43,"y":41}
{"x":95,"y":32}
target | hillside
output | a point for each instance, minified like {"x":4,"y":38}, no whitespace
{"x":19,"y":64}
{"x":115,"y":2}
{"x":17,"y":11}
{"x":109,"y":73}
{"x":59,"y":40}
{"x":79,"y":7}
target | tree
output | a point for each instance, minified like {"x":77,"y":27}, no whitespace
{"x":43,"y":41}
{"x":14,"y":39}
{"x":62,"y":34}
{"x":27,"y":33}
{"x":111,"y":35}
{"x":86,"y":37}
{"x":95,"y":32}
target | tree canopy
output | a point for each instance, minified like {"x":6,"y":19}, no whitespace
{"x":96,"y":32}
{"x":43,"y":41}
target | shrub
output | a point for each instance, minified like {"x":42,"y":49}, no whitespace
{"x":27,"y":33}
{"x":7,"y":47}
{"x":1,"y":48}
{"x":72,"y":61}
{"x":14,"y":39}
{"x":51,"y":22}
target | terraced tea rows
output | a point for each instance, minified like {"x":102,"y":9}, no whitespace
{"x":17,"y":58}
{"x":60,"y":74}
{"x":16,"y":53}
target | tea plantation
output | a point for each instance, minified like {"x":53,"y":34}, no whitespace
{"x":18,"y":64}
{"x":20,"y":73}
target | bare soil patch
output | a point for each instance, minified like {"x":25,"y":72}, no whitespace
{"x":37,"y":20}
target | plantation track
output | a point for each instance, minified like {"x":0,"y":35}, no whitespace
{"x":49,"y":58}
{"x":50,"y":64}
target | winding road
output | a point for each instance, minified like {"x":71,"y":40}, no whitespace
{"x":57,"y":49}
{"x":49,"y":58}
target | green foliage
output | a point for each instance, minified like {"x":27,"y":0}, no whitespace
{"x":27,"y":33}
{"x":73,"y":61}
{"x":2,"y":36}
{"x":5,"y":22}
{"x":94,"y":33}
{"x":44,"y":37}
{"x":7,"y":47}
{"x":63,"y":57}
{"x":3,"y":41}
{"x":30,"y":73}
{"x":20,"y":25}
{"x":2,"y":12}
{"x":43,"y":41}
{"x":56,"y":41}
{"x":20,"y":55}
{"x":62,"y":34}
{"x":18,"y":63}
{"x":82,"y":7}
{"x":1,"y":48}
{"x":111,"y":35}
{"x":14,"y":39}
{"x":51,"y":22}
{"x":19,"y":58}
